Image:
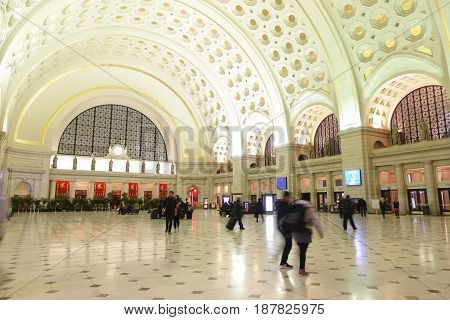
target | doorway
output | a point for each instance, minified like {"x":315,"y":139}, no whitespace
{"x":306,"y":196}
{"x":268,"y":201}
{"x":444,"y":200}
{"x":193,"y":196}
{"x":416,"y":199}
{"x":390,"y":196}
{"x":322,"y":201}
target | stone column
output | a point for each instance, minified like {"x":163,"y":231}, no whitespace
{"x":286,"y":161}
{"x":141,"y":190}
{"x":209,"y":192}
{"x":258,"y":189}
{"x":401,"y":189}
{"x":73,"y":186}
{"x":52,"y":189}
{"x":330,"y":189}
{"x":90,"y":194}
{"x":313,"y":191}
{"x":269,"y":185}
{"x":240,"y":177}
{"x":430,"y":182}
{"x":108,"y":187}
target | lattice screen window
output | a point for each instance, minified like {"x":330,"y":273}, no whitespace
{"x":327,"y":137}
{"x":270,"y":155}
{"x":95,"y":130}
{"x":429,"y":103}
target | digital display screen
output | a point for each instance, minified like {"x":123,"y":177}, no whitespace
{"x":352,"y":178}
{"x":282,"y":183}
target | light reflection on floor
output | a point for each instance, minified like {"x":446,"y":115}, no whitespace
{"x":106,"y":256}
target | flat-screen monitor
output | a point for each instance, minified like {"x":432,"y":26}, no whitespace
{"x":352,"y":177}
{"x":282,"y":183}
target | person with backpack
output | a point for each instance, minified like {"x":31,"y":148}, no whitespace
{"x":300,"y":220}
{"x":282,"y":207}
{"x":259,"y":210}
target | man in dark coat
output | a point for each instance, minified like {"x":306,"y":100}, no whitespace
{"x":170,"y":206}
{"x":347,"y":212}
{"x":282,"y":207}
{"x":259,"y":210}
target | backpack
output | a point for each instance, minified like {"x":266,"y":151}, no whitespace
{"x":294,"y":220}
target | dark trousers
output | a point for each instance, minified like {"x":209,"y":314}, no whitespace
{"x":340,"y":213}
{"x":363,"y":212}
{"x":383,"y":212}
{"x":169,"y":221}
{"x":303,"y":249}
{"x":260,"y":214}
{"x":241,"y":225}
{"x":397,"y":213}
{"x":349,"y":217}
{"x":176,"y":221}
{"x":287,"y":248}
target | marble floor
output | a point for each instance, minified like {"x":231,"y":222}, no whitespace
{"x":107,"y":256}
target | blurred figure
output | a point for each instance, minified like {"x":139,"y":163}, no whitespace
{"x":300,"y":220}
{"x":237,"y":213}
{"x":383,"y":206}
{"x":259,"y":210}
{"x":396,"y":208}
{"x":170,"y":206}
{"x":282,"y":207}
{"x":347,"y":212}
{"x":362,"y":207}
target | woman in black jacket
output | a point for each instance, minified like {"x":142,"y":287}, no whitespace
{"x":259,"y":210}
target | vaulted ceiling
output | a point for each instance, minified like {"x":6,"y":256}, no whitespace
{"x":221,"y":61}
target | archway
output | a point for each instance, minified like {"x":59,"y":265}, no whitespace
{"x":421,"y":115}
{"x":193,"y":193}
{"x":22,"y":190}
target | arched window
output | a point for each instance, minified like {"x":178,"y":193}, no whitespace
{"x":421,"y":115}
{"x":270,"y":155}
{"x":326,"y":140}
{"x":95,"y":130}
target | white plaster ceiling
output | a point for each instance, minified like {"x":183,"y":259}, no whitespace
{"x":232,"y":58}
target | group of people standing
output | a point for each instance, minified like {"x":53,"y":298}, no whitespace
{"x":173,"y":208}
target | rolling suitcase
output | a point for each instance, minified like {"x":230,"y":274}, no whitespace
{"x":231,"y":223}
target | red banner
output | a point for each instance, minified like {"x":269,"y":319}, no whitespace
{"x":62,"y":188}
{"x":133,"y":189}
{"x":163,"y":190}
{"x":99,"y":189}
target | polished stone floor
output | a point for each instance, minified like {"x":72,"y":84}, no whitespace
{"x":106,"y":256}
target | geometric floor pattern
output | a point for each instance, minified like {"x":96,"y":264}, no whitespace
{"x":107,"y":256}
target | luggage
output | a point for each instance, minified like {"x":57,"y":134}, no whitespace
{"x":154,"y":214}
{"x":231,"y":223}
{"x":189,"y":215}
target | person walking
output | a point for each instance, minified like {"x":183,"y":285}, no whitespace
{"x":396,"y":208}
{"x":347,"y":212}
{"x":170,"y":206}
{"x":259,"y":210}
{"x":178,"y":213}
{"x":237,"y":213}
{"x":300,"y":220}
{"x":282,"y":207}
{"x":362,"y":207}
{"x":383,"y":206}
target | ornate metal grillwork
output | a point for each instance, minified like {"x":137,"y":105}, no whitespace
{"x":270,"y":155}
{"x":428,"y":103}
{"x":95,"y":130}
{"x":326,"y":140}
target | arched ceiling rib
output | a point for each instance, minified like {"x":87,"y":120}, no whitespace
{"x":174,"y":20}
{"x":147,"y":53}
